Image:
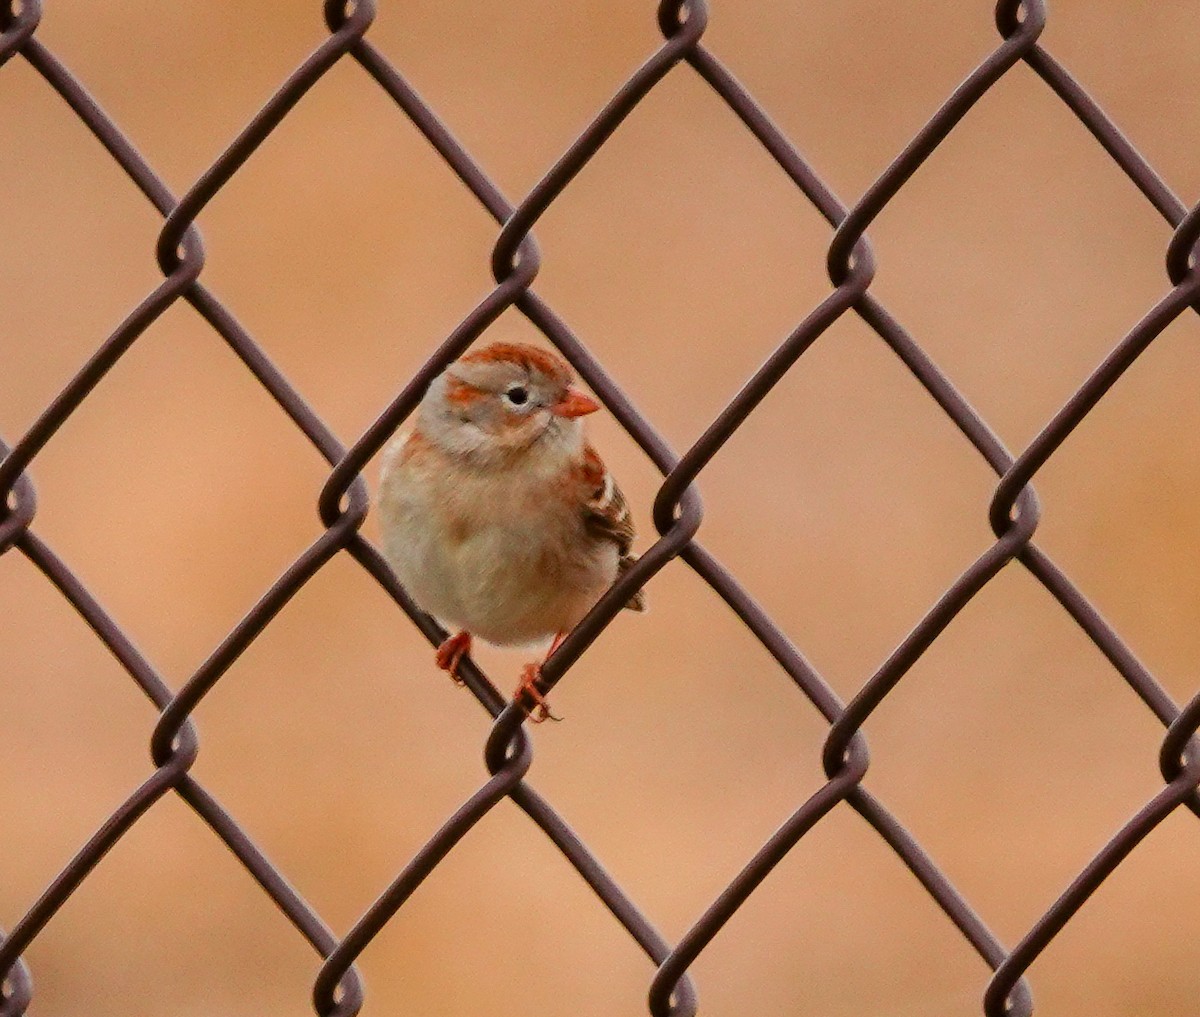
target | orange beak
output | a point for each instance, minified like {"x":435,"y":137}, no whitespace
{"x":574,"y":404}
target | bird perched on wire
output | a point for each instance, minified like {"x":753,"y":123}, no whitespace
{"x":498,"y":517}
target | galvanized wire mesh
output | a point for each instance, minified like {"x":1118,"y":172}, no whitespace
{"x":343,"y":504}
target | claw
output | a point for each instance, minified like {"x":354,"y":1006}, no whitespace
{"x":527,"y":690}
{"x":451,"y":652}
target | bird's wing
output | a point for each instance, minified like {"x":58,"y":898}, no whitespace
{"x":606,"y":515}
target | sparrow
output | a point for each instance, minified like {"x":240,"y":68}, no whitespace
{"x":497,"y":516}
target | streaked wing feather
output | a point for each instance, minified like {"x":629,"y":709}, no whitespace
{"x":607,"y":515}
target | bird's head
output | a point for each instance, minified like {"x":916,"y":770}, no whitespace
{"x":503,"y":400}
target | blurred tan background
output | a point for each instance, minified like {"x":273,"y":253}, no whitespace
{"x":1018,"y":257}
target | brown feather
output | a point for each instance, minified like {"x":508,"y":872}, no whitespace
{"x":607,"y":515}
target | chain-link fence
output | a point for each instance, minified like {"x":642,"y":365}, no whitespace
{"x":677,"y":512}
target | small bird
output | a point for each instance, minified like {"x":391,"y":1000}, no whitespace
{"x":498,"y":517}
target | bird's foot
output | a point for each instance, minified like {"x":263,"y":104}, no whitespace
{"x":528,"y":690}
{"x":451,"y":652}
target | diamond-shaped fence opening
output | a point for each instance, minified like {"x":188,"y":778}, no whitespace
{"x":696,"y":716}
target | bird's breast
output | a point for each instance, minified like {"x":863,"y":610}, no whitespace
{"x":500,"y":553}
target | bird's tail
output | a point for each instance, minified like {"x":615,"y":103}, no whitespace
{"x":638,"y":601}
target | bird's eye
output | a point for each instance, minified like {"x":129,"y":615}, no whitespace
{"x":518,"y":395}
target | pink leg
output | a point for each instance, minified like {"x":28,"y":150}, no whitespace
{"x":451,"y":652}
{"x":528,"y":689}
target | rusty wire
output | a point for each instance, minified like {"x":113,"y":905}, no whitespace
{"x":1013,"y":513}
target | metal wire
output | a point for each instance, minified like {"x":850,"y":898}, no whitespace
{"x":1013,"y":513}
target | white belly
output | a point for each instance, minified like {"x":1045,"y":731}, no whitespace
{"x":492,"y":553}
